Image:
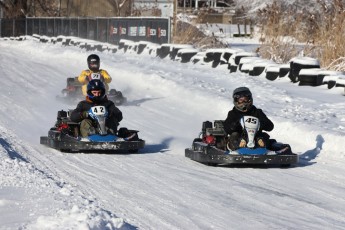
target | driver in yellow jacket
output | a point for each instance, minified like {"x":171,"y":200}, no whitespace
{"x":94,"y":72}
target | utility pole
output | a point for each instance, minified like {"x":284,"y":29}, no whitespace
{"x":174,"y":19}
{"x":60,"y":9}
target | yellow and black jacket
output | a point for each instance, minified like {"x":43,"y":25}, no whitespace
{"x":86,"y":76}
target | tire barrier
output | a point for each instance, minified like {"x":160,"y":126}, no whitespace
{"x":315,"y":77}
{"x":272,"y":72}
{"x":185,"y":55}
{"x":296,"y":64}
{"x":304,"y":70}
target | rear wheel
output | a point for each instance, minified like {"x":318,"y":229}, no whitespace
{"x":195,"y":148}
{"x":197,"y":140}
{"x":70,"y":81}
{"x":112,"y":91}
{"x":43,"y":140}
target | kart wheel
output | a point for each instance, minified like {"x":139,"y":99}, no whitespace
{"x":112,"y":92}
{"x":43,"y":140}
{"x":64,"y":93}
{"x":70,"y":81}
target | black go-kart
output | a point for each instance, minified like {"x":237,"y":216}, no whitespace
{"x":212,"y":148}
{"x":65,"y":135}
{"x":73,"y":93}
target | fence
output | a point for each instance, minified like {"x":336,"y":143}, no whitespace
{"x":111,"y":30}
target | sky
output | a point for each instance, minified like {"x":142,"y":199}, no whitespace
{"x":159,"y":188}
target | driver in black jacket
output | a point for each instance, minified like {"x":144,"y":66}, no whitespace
{"x":96,"y":97}
{"x":243,"y":106}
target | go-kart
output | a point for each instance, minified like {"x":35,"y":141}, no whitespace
{"x":65,"y":135}
{"x":73,"y":93}
{"x":212,"y":148}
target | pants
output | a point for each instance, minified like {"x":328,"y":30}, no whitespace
{"x":86,"y":127}
{"x":235,"y":138}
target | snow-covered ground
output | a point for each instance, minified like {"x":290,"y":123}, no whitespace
{"x":41,"y":188}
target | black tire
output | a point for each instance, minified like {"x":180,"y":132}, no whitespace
{"x":119,"y":94}
{"x":197,"y":140}
{"x":283,"y":72}
{"x":112,"y":91}
{"x":233,"y":68}
{"x":70,"y":81}
{"x":43,"y":140}
{"x":331,"y":84}
{"x":258,"y":70}
{"x":272,"y":76}
{"x":64,"y":92}
{"x":123,"y":132}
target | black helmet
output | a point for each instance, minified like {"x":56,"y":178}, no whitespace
{"x":95,"y":85}
{"x":93,"y":62}
{"x":243,"y":99}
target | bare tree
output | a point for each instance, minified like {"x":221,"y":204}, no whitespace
{"x":121,"y":7}
{"x":14,"y":8}
{"x":48,"y":7}
{"x":51,"y":8}
{"x":29,"y":8}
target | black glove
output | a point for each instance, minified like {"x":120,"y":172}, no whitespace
{"x":235,"y":126}
{"x":118,"y":116}
{"x":84,"y":114}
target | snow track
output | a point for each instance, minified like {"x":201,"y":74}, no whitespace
{"x":160,"y":188}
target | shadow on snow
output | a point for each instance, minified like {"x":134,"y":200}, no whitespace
{"x":157,"y":148}
{"x":10,"y":151}
{"x":308,"y":156}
